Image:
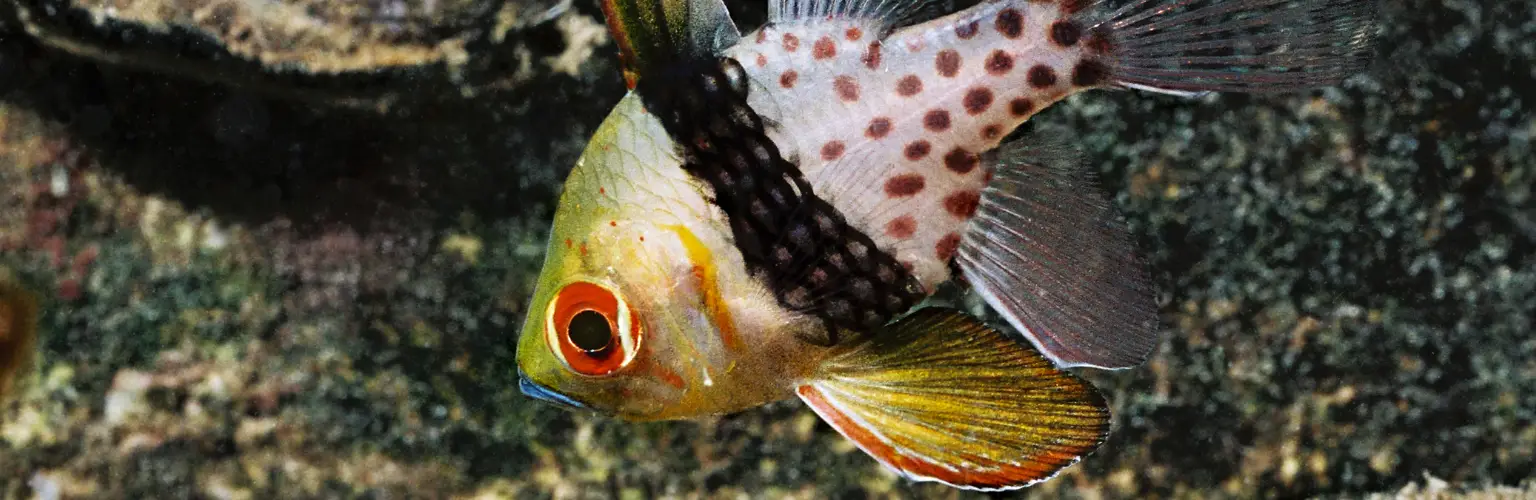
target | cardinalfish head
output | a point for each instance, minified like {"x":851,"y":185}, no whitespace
{"x":614,"y":321}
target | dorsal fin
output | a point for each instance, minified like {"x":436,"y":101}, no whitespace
{"x":653,"y":33}
{"x":885,"y":13}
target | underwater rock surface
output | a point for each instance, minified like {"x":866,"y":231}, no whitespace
{"x":249,"y":296}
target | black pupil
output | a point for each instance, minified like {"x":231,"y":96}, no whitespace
{"x":589,"y":331}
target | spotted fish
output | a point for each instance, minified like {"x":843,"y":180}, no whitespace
{"x":761,"y":216}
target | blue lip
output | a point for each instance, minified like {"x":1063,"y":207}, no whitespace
{"x":540,"y":392}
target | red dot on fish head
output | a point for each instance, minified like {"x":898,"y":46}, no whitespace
{"x":847,"y":89}
{"x":947,"y":63}
{"x":936,"y":120}
{"x":1010,"y":23}
{"x":824,"y":48}
{"x":904,"y":185}
{"x":977,"y":100}
{"x":901,"y":227}
{"x":909,"y":85}
{"x":999,"y":63}
{"x":1041,"y":76}
{"x":832,"y":150}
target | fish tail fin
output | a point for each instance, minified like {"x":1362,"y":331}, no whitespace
{"x":1189,"y":47}
{"x":942,"y":397}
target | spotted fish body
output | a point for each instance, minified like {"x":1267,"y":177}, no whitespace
{"x":759,"y":217}
{"x":927,"y":100}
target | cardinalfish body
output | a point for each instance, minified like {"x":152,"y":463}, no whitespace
{"x":760,"y":216}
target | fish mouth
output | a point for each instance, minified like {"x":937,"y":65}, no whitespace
{"x":534,"y":390}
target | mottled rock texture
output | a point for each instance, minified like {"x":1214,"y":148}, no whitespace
{"x":248,"y":296}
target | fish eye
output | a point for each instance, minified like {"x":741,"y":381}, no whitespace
{"x":589,"y":332}
{"x":591,"y":329}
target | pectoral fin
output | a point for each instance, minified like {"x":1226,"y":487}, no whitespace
{"x":944,"y":398}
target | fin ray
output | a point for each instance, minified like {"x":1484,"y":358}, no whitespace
{"x":1188,"y":46}
{"x":942,"y":397}
{"x":1047,"y":252}
{"x":653,"y":33}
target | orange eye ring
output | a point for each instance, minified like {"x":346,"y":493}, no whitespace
{"x":590,"y":329}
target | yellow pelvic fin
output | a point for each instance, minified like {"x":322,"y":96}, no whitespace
{"x":942,"y":397}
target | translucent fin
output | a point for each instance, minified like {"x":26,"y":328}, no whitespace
{"x":18,"y":334}
{"x":886,"y":13}
{"x":653,"y":33}
{"x":1183,"y":46}
{"x":1047,"y":251}
{"x":941,"y":397}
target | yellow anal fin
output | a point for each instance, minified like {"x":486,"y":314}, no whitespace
{"x":942,"y":397}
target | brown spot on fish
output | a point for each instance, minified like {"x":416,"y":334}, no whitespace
{"x":909,"y":85}
{"x":904,"y":185}
{"x":762,"y":36}
{"x":999,"y":63}
{"x":917,"y":150}
{"x":871,"y":57}
{"x":853,"y":34}
{"x":945,"y":248}
{"x":878,"y":128}
{"x":901,"y":227}
{"x":791,"y":42}
{"x":787,"y":79}
{"x":824,"y":48}
{"x":1010,"y":23}
{"x":977,"y":100}
{"x":962,"y":204}
{"x":961,"y":161}
{"x":613,"y":223}
{"x":1089,"y":73}
{"x":948,"y":63}
{"x":992,"y":131}
{"x":1021,"y":106}
{"x":567,"y":242}
{"x":936,"y":120}
{"x":847,"y":89}
{"x":832,"y":150}
{"x":967,"y":30}
{"x":1065,"y":33}
{"x":1041,"y":76}
{"x":762,"y":60}
{"x":1099,"y":42}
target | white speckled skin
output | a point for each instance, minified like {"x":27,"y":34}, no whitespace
{"x":823,"y":83}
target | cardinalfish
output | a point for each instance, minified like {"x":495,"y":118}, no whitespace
{"x":18,"y":333}
{"x":760,"y":216}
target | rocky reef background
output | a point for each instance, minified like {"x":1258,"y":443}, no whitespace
{"x":252,"y":295}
